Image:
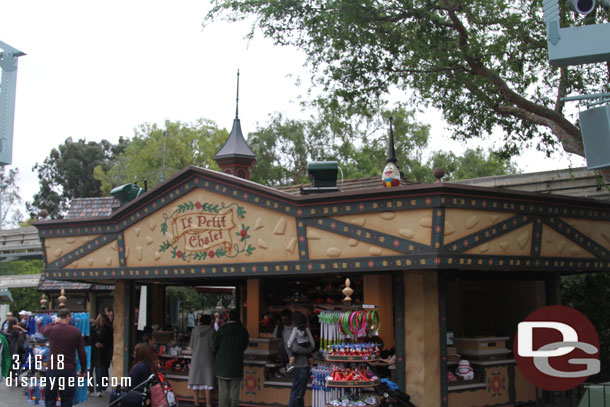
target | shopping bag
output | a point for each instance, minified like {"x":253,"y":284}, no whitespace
{"x":162,"y":394}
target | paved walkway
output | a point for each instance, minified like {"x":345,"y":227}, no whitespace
{"x":14,"y":397}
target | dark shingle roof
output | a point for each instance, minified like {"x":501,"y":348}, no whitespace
{"x":56,"y":285}
{"x":91,"y":207}
{"x":346,"y":185}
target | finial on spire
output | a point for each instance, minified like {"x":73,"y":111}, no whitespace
{"x":391,"y":151}
{"x":237,"y":99}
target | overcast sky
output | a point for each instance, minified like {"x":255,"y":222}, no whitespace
{"x":96,"y":70}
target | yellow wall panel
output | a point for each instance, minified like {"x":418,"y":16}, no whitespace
{"x":413,"y":224}
{"x":556,"y":245}
{"x":56,"y":247}
{"x":463,"y":222}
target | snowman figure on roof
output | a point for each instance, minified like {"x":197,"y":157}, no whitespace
{"x":391,"y":172}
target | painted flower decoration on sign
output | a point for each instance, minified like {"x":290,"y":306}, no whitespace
{"x":201,"y":230}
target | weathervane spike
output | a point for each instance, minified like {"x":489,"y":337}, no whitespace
{"x":391,"y":151}
{"x":237,"y":99}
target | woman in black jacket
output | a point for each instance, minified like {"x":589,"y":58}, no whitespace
{"x":101,"y":340}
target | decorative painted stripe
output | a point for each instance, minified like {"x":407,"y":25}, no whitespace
{"x":121,"y":249}
{"x":258,"y":199}
{"x":487,"y":234}
{"x":536,"y":238}
{"x":508,"y":205}
{"x":379,"y":205}
{"x":82,"y":251}
{"x":479,"y":262}
{"x":367,"y":235}
{"x":438,"y":228}
{"x":399,"y":327}
{"x":79,"y":230}
{"x":44,"y":250}
{"x":306,"y":267}
{"x":575,"y":236}
{"x":302,"y":240}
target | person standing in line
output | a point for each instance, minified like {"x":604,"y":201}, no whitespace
{"x":283,"y":330}
{"x":230,"y":342}
{"x":101,"y":338}
{"x":65,"y":341}
{"x":301,"y":345}
{"x":190,"y":320}
{"x":201,"y":372}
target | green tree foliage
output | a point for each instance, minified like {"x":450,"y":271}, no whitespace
{"x":474,"y":163}
{"x":590,"y":294}
{"x":68,"y":173}
{"x":483,"y":63}
{"x":11,"y":214}
{"x":360,"y":145}
{"x":24,"y":298}
{"x":156,"y":153}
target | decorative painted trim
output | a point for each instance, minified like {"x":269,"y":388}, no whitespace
{"x":329,"y":266}
{"x":44,"y":250}
{"x":478,"y":262}
{"x":308,"y":267}
{"x":363,"y":206}
{"x":368,"y":235}
{"x":485,"y":235}
{"x":575,"y":236}
{"x":442,"y":310}
{"x":79,"y":231}
{"x":437,"y":240}
{"x":121,"y":249}
{"x":536,"y":238}
{"x":302,"y":243}
{"x":82,"y":251}
{"x":528,"y":208}
{"x":399,"y":327}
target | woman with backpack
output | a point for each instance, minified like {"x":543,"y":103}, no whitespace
{"x":300,"y":345}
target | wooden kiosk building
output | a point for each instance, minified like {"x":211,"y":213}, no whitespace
{"x":439,"y":257}
{"x":445,"y":262}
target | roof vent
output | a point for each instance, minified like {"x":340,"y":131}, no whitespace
{"x":126,"y":193}
{"x":323,"y":177}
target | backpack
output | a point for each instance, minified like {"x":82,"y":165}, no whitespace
{"x":161,"y":393}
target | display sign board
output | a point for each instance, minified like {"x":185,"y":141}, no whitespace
{"x":8,"y":85}
{"x":595,"y":129}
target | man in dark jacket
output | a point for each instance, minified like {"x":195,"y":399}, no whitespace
{"x":230,"y":342}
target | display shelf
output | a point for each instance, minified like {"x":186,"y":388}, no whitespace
{"x":352,"y":383}
{"x":354,"y":405}
{"x":346,"y":358}
{"x":465,"y":385}
{"x":181,"y":356}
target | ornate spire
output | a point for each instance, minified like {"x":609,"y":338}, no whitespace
{"x":236,"y":157}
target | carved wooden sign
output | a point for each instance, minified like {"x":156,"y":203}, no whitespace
{"x":197,"y":231}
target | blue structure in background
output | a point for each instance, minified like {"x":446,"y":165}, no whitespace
{"x":8,"y":86}
{"x":584,"y":45}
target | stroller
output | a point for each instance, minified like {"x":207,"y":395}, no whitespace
{"x":155,"y":390}
{"x":392,"y":395}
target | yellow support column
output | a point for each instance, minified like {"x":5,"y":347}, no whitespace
{"x":378,"y":291}
{"x":422,"y":337}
